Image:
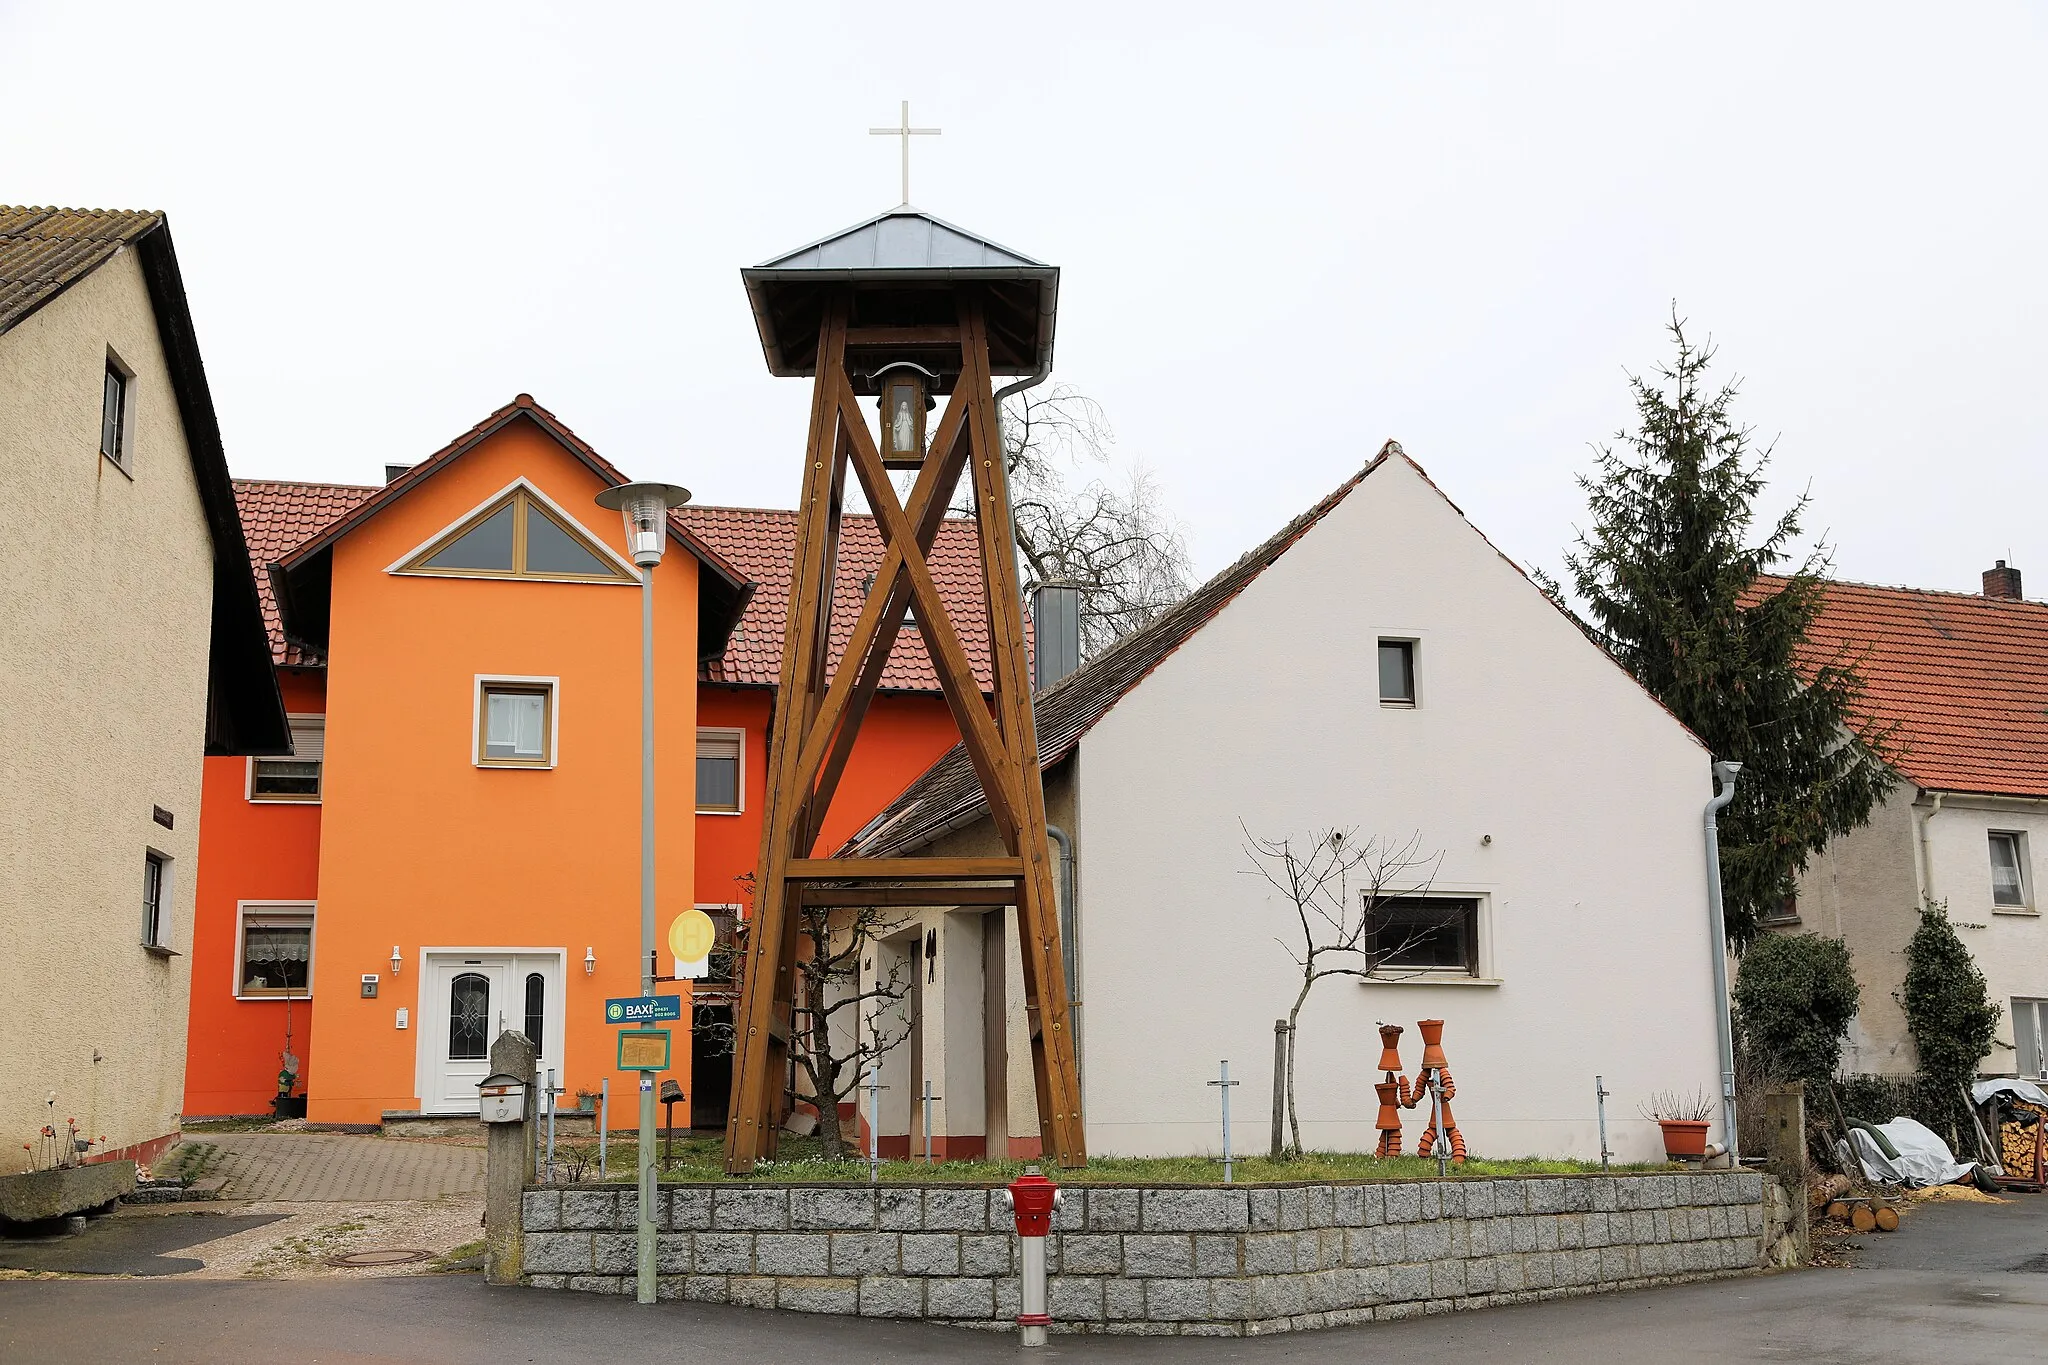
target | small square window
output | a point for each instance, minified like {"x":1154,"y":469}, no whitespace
{"x":718,"y":771}
{"x":1397,"y":672}
{"x":516,"y":725}
{"x":296,"y":778}
{"x":276,"y":955}
{"x":156,"y":886}
{"x":1426,"y":934}
{"x":114,"y":414}
{"x":2008,"y":870}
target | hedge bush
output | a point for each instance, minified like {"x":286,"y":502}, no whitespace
{"x":1794,"y":998}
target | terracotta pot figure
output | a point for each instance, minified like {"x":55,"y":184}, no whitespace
{"x":1433,"y":1058}
{"x":1390,"y":1048}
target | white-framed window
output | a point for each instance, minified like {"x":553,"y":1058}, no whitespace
{"x":721,"y":771}
{"x":516,"y":722}
{"x":274,"y":950}
{"x":2008,"y":870}
{"x":156,"y":901}
{"x":117,"y":417}
{"x":1437,"y":935}
{"x":718,"y":975}
{"x":297,"y":778}
{"x":2030,"y":1037}
{"x":1397,"y":672}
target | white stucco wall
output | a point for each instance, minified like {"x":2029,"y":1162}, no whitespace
{"x":2011,"y":947}
{"x":105,"y":593}
{"x":1594,"y":877}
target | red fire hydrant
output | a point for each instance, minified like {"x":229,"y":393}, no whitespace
{"x":1032,"y":1198}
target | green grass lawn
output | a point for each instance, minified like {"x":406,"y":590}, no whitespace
{"x":702,"y":1159}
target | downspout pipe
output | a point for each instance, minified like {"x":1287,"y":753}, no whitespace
{"x":1926,"y":868}
{"x":1724,"y":1030}
{"x":1070,"y":939}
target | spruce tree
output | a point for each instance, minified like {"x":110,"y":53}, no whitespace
{"x":1669,"y":576}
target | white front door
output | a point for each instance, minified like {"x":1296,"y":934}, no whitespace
{"x":470,"y":999}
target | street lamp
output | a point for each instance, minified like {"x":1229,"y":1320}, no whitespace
{"x":645,"y":508}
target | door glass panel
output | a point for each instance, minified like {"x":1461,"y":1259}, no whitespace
{"x":536,"y":1011}
{"x":469,"y":1017}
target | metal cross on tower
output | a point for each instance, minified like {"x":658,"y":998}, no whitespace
{"x":906,"y":132}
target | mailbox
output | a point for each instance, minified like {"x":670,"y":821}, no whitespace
{"x":501,"y":1099}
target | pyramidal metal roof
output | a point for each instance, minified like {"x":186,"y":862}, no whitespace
{"x":904,"y":238}
{"x":903,"y":251}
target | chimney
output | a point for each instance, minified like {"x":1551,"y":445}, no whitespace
{"x":1056,"y":625}
{"x":2002,"y":583}
{"x":392,"y":471}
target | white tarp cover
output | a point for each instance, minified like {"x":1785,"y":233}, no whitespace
{"x":1923,"y":1159}
{"x":2018,"y":1089}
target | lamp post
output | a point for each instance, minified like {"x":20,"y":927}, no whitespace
{"x":645,"y":508}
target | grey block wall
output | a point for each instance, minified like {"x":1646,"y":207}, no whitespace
{"x":1188,"y":1261}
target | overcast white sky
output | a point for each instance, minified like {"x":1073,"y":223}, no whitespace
{"x":1286,"y":231}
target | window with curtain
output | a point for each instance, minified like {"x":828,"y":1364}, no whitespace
{"x":517,"y":724}
{"x":296,"y":778}
{"x":2008,"y":878}
{"x":276,"y":955}
{"x":2030,"y":1037}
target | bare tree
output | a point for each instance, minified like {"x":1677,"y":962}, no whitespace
{"x":846,"y":1024}
{"x":1339,"y":890}
{"x":1118,"y":542}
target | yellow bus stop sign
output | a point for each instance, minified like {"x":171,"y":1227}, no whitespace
{"x":691,"y":936}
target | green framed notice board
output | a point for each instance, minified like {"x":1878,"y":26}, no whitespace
{"x":643,"y":1049}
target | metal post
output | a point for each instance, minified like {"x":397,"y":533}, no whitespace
{"x":1600,"y":1101}
{"x":875,"y":1123}
{"x":645,"y":1284}
{"x":1436,"y":1112}
{"x":1717,"y":914}
{"x":928,"y":1098}
{"x":604,"y":1122}
{"x":1279,"y":1085}
{"x":1224,"y":1085}
{"x":551,"y":1125}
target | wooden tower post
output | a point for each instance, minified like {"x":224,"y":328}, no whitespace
{"x":901,"y":306}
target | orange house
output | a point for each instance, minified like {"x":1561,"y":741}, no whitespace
{"x":391,"y":841}
{"x":478,"y":785}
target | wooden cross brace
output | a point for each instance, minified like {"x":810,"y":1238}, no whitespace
{"x":820,"y":712}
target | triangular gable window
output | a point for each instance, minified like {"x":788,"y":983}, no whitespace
{"x":517,"y":536}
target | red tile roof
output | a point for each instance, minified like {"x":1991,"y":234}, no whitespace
{"x":277,"y":518}
{"x":758,"y":542}
{"x":761,"y":543}
{"x":1964,"y":679}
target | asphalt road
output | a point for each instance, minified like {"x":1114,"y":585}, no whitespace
{"x":1980,"y":1302}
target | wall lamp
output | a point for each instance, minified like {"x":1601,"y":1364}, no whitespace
{"x":589,"y":962}
{"x":397,"y":959}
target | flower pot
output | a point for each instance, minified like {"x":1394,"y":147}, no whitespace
{"x":1390,"y":1114}
{"x":1685,"y":1139}
{"x":1432,"y":1044}
{"x":1390,"y":1047}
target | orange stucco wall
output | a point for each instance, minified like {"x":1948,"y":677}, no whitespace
{"x":421,"y":848}
{"x":248,"y":851}
{"x":903,"y":734}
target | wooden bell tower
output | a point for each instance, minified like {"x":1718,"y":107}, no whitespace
{"x":911,"y":310}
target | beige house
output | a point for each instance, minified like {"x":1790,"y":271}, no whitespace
{"x":131,"y":646}
{"x":1962,"y":682}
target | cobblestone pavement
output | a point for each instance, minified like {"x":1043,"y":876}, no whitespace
{"x":341,"y":1167}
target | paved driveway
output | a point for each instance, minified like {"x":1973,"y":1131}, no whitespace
{"x":341,"y":1167}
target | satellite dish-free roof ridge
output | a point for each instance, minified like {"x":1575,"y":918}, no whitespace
{"x":791,"y":260}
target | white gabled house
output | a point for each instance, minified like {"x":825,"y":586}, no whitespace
{"x":1564,"y":801}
